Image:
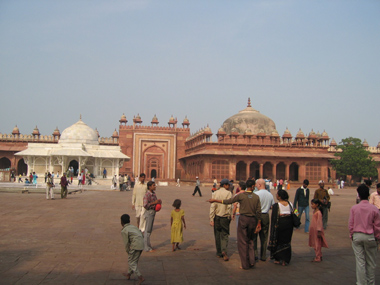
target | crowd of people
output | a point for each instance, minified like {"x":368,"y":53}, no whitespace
{"x":250,"y":205}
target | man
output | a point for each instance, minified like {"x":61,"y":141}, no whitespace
{"x":220,"y":218}
{"x":138,"y":201}
{"x":249,"y":221}
{"x":266,"y":201}
{"x":114,"y":182}
{"x":121,"y":182}
{"x":322,"y":195}
{"x":134,"y":245}
{"x":150,"y":203}
{"x":302,"y":199}
{"x":104,"y":173}
{"x":364,"y":226}
{"x":374,"y":199}
{"x":197,"y":185}
{"x":49,"y":187}
{"x":64,"y":184}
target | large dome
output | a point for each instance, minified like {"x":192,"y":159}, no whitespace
{"x":79,"y":133}
{"x":249,"y":118}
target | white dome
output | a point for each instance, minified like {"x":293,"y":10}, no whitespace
{"x":79,"y":133}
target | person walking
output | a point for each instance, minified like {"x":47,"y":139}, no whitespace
{"x":177,"y":218}
{"x":374,"y":198}
{"x":324,"y":197}
{"x":150,"y":205}
{"x":220,"y":218}
{"x":364,"y":227}
{"x":134,"y":244}
{"x":302,"y":199}
{"x":249,"y":221}
{"x":49,"y":187}
{"x":197,"y":189}
{"x":266,"y":201}
{"x":138,"y":194}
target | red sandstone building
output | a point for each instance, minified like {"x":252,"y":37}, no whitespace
{"x":247,"y":145}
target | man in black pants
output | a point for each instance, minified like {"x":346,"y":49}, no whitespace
{"x":197,"y":189}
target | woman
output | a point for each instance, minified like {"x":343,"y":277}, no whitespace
{"x":281,"y":230}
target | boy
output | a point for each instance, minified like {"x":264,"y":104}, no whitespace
{"x":134,"y":245}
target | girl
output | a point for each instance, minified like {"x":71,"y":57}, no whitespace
{"x":316,"y":234}
{"x":177,"y":217}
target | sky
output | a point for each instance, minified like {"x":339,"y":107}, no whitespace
{"x":304,"y":64}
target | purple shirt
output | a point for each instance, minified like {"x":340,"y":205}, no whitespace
{"x":364,"y":218}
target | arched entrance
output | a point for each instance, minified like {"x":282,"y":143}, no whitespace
{"x":153,"y":173}
{"x":254,"y":170}
{"x":280,"y":170}
{"x":154,"y":168}
{"x":5,"y":163}
{"x":293,"y":172}
{"x":75,"y":165}
{"x":268,"y":170}
{"x":241,"y":171}
{"x":22,"y":168}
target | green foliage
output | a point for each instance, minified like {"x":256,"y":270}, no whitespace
{"x":354,"y":159}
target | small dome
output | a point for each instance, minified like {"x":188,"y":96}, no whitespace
{"x":318,"y":135}
{"x":115,"y":134}
{"x":137,"y":119}
{"x":287,"y":134}
{"x":172,"y":120}
{"x":16,"y":131}
{"x":333,"y":143}
{"x":207,"y":130}
{"x":365,"y":143}
{"x":234,"y":131}
{"x":325,"y":135}
{"x":248,"y":132}
{"x":221,"y":131}
{"x":36,"y":131}
{"x":186,"y":122}
{"x":56,"y":132}
{"x":155,"y":119}
{"x":261,"y":133}
{"x":79,"y":133}
{"x":300,"y":134}
{"x":312,"y":135}
{"x":123,"y":119}
{"x":275,"y":133}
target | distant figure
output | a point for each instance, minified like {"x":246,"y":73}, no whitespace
{"x":197,"y":185}
{"x":138,"y":194}
{"x":114,"y":182}
{"x":57,"y":174}
{"x":35,"y":178}
{"x":64,"y":184}
{"x":134,"y":245}
{"x":324,"y":197}
{"x":49,"y":187}
{"x":330,"y":191}
{"x":178,"y":184}
{"x":301,"y":200}
{"x":374,"y":199}
{"x":342,"y":184}
{"x":104,"y":173}
{"x":176,"y":221}
{"x":364,"y":227}
{"x":20,"y":178}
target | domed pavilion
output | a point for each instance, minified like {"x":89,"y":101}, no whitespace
{"x":78,"y":146}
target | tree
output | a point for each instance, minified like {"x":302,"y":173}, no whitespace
{"x":354,"y":159}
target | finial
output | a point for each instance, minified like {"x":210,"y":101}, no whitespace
{"x":80,"y":116}
{"x":249,"y":102}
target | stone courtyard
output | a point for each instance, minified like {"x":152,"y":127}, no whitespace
{"x":77,"y":241}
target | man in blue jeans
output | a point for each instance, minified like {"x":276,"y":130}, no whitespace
{"x":302,"y":198}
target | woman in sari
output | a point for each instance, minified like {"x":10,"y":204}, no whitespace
{"x":281,"y":230}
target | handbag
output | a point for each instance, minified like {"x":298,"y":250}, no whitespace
{"x":296,"y":219}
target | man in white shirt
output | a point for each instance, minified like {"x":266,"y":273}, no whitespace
{"x":266,"y":200}
{"x":138,"y":201}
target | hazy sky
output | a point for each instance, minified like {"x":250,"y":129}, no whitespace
{"x":305,"y":64}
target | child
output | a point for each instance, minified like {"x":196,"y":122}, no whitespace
{"x":134,"y":245}
{"x":177,"y":217}
{"x":316,"y":234}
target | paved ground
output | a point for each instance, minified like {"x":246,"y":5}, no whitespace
{"x":77,"y":241}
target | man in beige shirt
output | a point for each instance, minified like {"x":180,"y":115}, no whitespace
{"x":220,"y":218}
{"x":138,"y":201}
{"x":374,"y":198}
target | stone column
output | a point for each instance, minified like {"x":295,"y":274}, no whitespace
{"x":274,"y":171}
{"x":248,"y":169}
{"x":287,"y":167}
{"x":261,"y":170}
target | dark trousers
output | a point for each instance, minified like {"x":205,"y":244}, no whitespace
{"x":263,"y":234}
{"x":221,"y":233}
{"x":197,"y":190}
{"x":325,"y":217}
{"x":246,"y":228}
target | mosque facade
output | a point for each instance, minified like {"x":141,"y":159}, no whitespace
{"x":247,"y":145}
